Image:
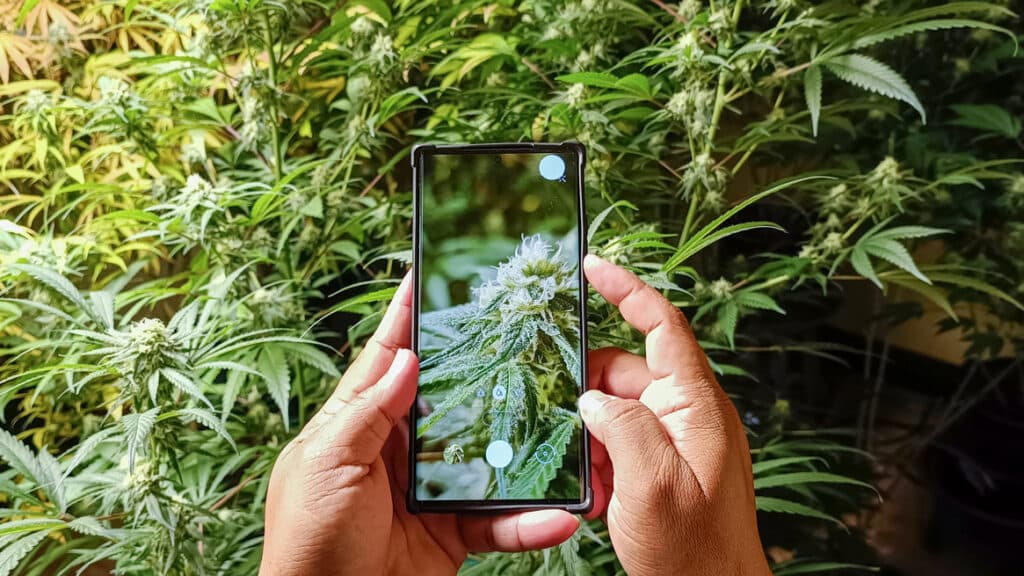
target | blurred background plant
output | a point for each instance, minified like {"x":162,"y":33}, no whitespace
{"x":206,"y":205}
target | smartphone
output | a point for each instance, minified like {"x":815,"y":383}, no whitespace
{"x":499,"y":308}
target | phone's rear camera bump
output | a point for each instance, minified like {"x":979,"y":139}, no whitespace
{"x":552,"y":167}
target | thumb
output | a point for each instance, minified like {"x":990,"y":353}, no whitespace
{"x":357,"y":434}
{"x":632,"y":434}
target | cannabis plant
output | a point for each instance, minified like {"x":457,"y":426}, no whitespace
{"x":206,"y":205}
{"x":515,"y":349}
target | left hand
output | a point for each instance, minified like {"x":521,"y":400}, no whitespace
{"x":336,"y":501}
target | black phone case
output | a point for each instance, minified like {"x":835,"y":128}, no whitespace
{"x":414,"y":505}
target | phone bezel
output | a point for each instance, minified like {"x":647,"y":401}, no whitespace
{"x":419,"y":153}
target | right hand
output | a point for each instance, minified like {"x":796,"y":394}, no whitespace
{"x":672,"y":468}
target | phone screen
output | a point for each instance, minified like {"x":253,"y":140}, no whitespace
{"x":500,"y":326}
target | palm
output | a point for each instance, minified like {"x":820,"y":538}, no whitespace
{"x":421,"y":544}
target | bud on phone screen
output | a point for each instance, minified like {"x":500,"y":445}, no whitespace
{"x":500,"y":328}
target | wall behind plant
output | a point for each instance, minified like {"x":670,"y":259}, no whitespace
{"x":206,"y":204}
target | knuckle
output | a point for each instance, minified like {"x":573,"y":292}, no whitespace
{"x":665,"y":485}
{"x":622,"y":417}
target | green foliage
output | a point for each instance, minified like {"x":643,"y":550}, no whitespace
{"x":201,"y":199}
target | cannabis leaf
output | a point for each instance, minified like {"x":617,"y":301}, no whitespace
{"x":136,"y":427}
{"x":883,"y":244}
{"x":41,"y":468}
{"x":204,"y":417}
{"x":713,"y":231}
{"x":532,"y":477}
{"x":988,"y":118}
{"x":15,"y":547}
{"x":870,"y":74}
{"x":275,"y":369}
{"x":812,"y":93}
{"x":797,"y":478}
{"x":769,"y":504}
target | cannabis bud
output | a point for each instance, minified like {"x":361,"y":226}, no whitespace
{"x":454,"y":454}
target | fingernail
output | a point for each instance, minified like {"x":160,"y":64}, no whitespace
{"x":591,"y":402}
{"x":591,"y":260}
{"x":404,"y":285}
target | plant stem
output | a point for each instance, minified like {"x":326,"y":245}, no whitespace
{"x":300,"y":392}
{"x":716,"y":114}
{"x":766,"y":284}
{"x":883,"y":363}
{"x":691,"y":212}
{"x":856,"y":225}
{"x":670,"y":10}
{"x":960,"y":389}
{"x":276,"y":134}
{"x":944,"y":425}
{"x":720,"y":90}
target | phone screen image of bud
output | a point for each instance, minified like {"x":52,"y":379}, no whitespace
{"x":499,"y":329}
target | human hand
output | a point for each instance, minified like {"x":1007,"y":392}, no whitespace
{"x":336,"y":501}
{"x":671,"y":463}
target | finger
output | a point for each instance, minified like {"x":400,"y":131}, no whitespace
{"x":396,"y":457}
{"x":598,"y":453}
{"x":671,"y":346}
{"x":357,"y":434}
{"x":633,"y":436}
{"x":393,"y":333}
{"x":517,"y":532}
{"x":617,"y":372}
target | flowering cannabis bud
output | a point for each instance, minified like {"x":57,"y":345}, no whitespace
{"x":260,"y":238}
{"x":382,"y":52}
{"x":720,"y":288}
{"x":197,"y":192}
{"x":160,"y":187}
{"x":140,"y":351}
{"x":528,"y":281}
{"x":36,"y":102}
{"x":310,"y":235}
{"x":887,"y":171}
{"x":720,"y":21}
{"x":887,"y":187}
{"x":685,"y":56}
{"x":574,"y":95}
{"x":113,"y":91}
{"x":693,"y":107}
{"x":454,"y":454}
{"x":1017,"y":185}
{"x":147,"y":336}
{"x":495,"y":79}
{"x":833,"y":243}
{"x":193,"y":150}
{"x":702,"y":175}
{"x":678,"y":104}
{"x":836,"y":199}
{"x":58,"y":34}
{"x":254,"y":120}
{"x":358,"y":130}
{"x":362,"y":26}
{"x":689,"y":9}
